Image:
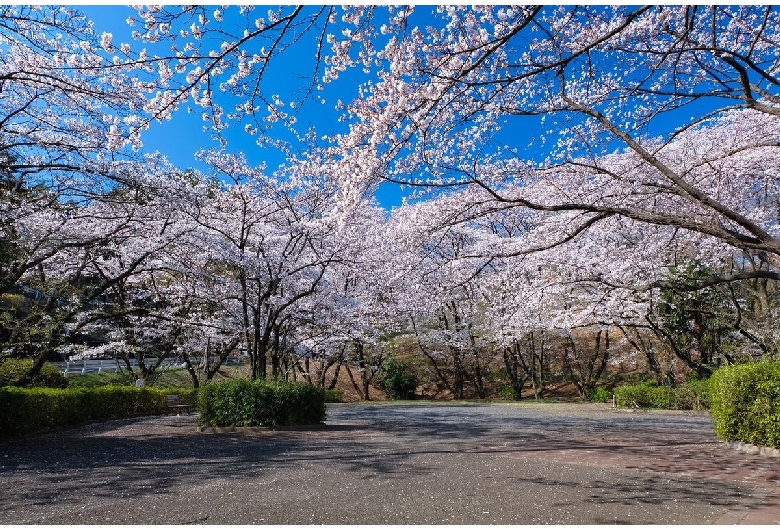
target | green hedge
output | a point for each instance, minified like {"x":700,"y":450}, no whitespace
{"x":242,"y":403}
{"x":693,"y":395}
{"x":746,"y":403}
{"x":644,"y":395}
{"x":24,"y":411}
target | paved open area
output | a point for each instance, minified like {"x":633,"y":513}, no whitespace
{"x":394,"y":464}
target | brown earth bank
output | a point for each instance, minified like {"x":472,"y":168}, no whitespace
{"x":351,"y":387}
{"x":387,"y":463}
{"x":563,"y":391}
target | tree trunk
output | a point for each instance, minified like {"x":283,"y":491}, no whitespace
{"x":458,"y":374}
{"x":275,"y":364}
{"x":512,"y":367}
{"x":538,"y":365}
{"x":354,"y":383}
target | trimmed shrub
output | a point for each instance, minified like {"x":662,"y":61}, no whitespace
{"x":241,"y":403}
{"x":746,"y":403}
{"x":644,"y":395}
{"x":692,"y":395}
{"x":229,"y":403}
{"x":12,"y":370}
{"x":24,"y":411}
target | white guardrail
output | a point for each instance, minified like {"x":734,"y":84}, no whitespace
{"x":88,"y":366}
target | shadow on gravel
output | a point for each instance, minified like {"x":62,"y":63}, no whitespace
{"x":647,"y":490}
{"x":125,"y":459}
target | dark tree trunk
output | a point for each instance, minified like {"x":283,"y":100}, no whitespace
{"x":513,"y":371}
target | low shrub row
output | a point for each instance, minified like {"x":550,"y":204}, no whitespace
{"x":746,"y":403}
{"x":243,"y":403}
{"x":693,"y":395}
{"x":27,"y":410}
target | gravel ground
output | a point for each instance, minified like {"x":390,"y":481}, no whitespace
{"x":393,"y":464}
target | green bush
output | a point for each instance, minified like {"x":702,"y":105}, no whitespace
{"x":242,"y":403}
{"x":24,"y":411}
{"x":506,"y":392}
{"x":398,"y":381}
{"x":227,"y":403}
{"x":693,"y":395}
{"x":297,"y":404}
{"x":600,"y":395}
{"x":12,"y":371}
{"x":746,"y":403}
{"x":644,"y":395}
{"x":334,"y":396}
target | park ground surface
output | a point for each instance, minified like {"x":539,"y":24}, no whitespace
{"x":385,"y":463}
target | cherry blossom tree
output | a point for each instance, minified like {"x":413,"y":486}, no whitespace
{"x":64,"y":104}
{"x":116,"y":281}
{"x":570,"y":154}
{"x":226,"y":61}
{"x":443,"y":299}
{"x":80,"y":254}
{"x":270,"y":243}
{"x":352,"y":323}
{"x":612,"y":91}
{"x":59,"y":110}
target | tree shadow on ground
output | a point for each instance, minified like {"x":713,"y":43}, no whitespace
{"x":121,"y":460}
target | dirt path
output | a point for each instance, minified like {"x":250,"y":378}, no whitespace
{"x":390,"y":464}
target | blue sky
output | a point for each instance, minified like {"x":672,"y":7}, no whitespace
{"x":181,"y":137}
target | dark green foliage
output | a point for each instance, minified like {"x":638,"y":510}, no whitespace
{"x":600,"y":395}
{"x":13,"y":370}
{"x":695,"y":321}
{"x":24,"y":411}
{"x":242,"y":403}
{"x":230,"y":403}
{"x":746,"y":403}
{"x":297,"y":404}
{"x":334,"y":395}
{"x":507,"y":393}
{"x":644,"y":395}
{"x":693,"y":395}
{"x":398,"y":381}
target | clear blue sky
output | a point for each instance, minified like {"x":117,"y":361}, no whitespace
{"x":181,"y":137}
